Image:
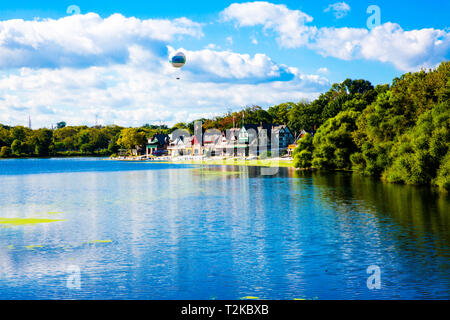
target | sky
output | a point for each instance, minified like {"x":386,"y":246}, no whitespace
{"x":107,"y":62}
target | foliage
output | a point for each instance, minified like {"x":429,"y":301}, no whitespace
{"x":303,"y":152}
{"x":130,"y":138}
{"x":333,"y":143}
{"x":419,"y":153}
{"x":400,"y":132}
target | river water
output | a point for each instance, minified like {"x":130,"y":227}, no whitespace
{"x":97,"y":229}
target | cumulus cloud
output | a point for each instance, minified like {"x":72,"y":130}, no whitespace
{"x":81,"y":67}
{"x":339,"y":9}
{"x":86,"y":40}
{"x":406,"y":50}
{"x":132,"y":95}
{"x":288,"y":24}
{"x":222,"y":66}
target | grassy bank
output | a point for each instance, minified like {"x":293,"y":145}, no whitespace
{"x":237,"y":162}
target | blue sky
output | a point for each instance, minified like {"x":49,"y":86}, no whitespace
{"x":79,"y":67}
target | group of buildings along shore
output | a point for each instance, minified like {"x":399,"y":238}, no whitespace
{"x":249,"y":141}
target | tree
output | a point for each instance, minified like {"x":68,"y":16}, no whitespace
{"x":442,"y":179}
{"x":303,"y":153}
{"x":419,"y":153}
{"x":67,"y":136}
{"x":87,"y":148}
{"x":17,"y":147}
{"x":20,"y":133}
{"x":5,"y":152}
{"x":280,"y":113}
{"x":60,"y":125}
{"x":42,"y":142}
{"x":5,"y":139}
{"x":130,"y":138}
{"x":387,"y":134}
{"x":303,"y":116}
{"x":84,"y":137}
{"x":333,"y":142}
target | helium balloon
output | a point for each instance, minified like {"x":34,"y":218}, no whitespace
{"x":178,"y":60}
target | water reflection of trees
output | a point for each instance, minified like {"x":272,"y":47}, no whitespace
{"x":422,"y":212}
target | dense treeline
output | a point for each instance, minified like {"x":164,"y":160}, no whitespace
{"x":400,"y":133}
{"x":71,"y":141}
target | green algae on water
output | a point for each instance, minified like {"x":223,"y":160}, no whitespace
{"x":32,"y":247}
{"x":250,"y":298}
{"x":216,"y":172}
{"x":25,"y":221}
{"x":99,"y":241}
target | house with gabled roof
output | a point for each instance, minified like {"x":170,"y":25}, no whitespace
{"x":284,"y":135}
{"x":158,"y":143}
{"x":177,"y":147}
{"x":193,"y":147}
{"x":211,"y":139}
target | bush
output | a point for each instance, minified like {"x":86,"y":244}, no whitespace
{"x":5,"y":152}
{"x":333,"y":143}
{"x":442,"y":179}
{"x":265,"y":155}
{"x":303,"y":153}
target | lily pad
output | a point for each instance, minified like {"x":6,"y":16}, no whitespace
{"x":250,"y":298}
{"x":25,"y":221}
{"x":100,"y":241}
{"x":32,"y":247}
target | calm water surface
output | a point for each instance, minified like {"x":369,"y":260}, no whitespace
{"x":166,"y":231}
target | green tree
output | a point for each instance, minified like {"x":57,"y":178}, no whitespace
{"x":333,"y":142}
{"x":5,"y":152}
{"x":19,"y":133}
{"x":303,"y":153}
{"x":60,"y":125}
{"x":42,"y":141}
{"x":130,"y":138}
{"x":442,"y":179}
{"x":17,"y":147}
{"x":280,"y":113}
{"x":5,"y":139}
{"x":418,"y":154}
{"x":304,"y":116}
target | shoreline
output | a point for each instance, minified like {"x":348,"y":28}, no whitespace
{"x":239,"y":162}
{"x":275,"y":162}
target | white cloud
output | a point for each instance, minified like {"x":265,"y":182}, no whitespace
{"x":389,"y":43}
{"x":75,"y":68}
{"x":339,"y":9}
{"x":212,"y":46}
{"x":288,"y":24}
{"x":133,"y":95}
{"x":406,"y":50}
{"x":85,"y":40}
{"x":323,"y":70}
{"x":223,"y":66}
{"x":145,"y":89}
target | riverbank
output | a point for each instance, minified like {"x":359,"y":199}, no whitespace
{"x":242,"y":162}
{"x":71,"y":154}
{"x":270,"y":162}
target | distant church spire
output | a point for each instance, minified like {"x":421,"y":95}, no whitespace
{"x":29,"y":121}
